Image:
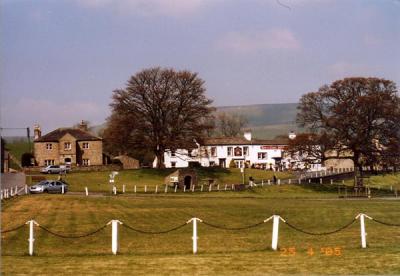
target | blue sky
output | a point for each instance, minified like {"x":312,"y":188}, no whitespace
{"x":61,"y":60}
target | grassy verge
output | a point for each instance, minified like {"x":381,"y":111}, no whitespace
{"x":221,"y":252}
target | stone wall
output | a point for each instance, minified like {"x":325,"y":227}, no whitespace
{"x":42,"y":154}
{"x":94,"y":153}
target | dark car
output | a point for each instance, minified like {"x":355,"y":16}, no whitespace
{"x":49,"y":186}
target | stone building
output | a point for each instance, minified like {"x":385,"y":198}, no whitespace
{"x":74,"y":146}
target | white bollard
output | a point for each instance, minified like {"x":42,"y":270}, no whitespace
{"x":194,"y":237}
{"x":114,"y":235}
{"x":210,"y":188}
{"x":26,"y":189}
{"x":320,"y":181}
{"x":62,"y":189}
{"x":31,"y":235}
{"x":115,"y":190}
{"x":87,"y":191}
{"x":331,"y":181}
{"x":226,"y":186}
{"x":290,"y":181}
{"x":193,"y":187}
{"x":279,"y":182}
{"x":201,"y":189}
{"x":262,"y":182}
{"x":299,"y":180}
{"x":156,"y":189}
{"x":362,"y":226}
{"x":123,"y":189}
{"x":218,"y":187}
{"x":176,"y":187}
{"x":184,"y":188}
{"x":145,"y":188}
{"x":275,"y":230}
{"x":134,"y":189}
{"x":269,"y":182}
{"x":166,"y":188}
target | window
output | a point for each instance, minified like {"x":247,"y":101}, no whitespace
{"x":85,"y":145}
{"x":230,"y":151}
{"x":246,"y":151}
{"x":213,"y":151}
{"x":67,"y":146}
{"x":48,"y":162}
{"x":212,"y":164}
{"x":49,"y":146}
{"x":85,"y":162}
{"x":173,"y":164}
{"x":173,"y":154}
{"x":262,"y":155}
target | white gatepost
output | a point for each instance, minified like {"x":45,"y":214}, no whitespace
{"x":279,"y":182}
{"x":210,"y":187}
{"x":184,"y":188}
{"x":86,"y":191}
{"x":115,"y":190}
{"x":289,"y":181}
{"x":26,"y":189}
{"x":269,"y":182}
{"x":114,"y":235}
{"x":193,"y":187}
{"x":134,"y":189}
{"x":31,"y":235}
{"x":299,"y":180}
{"x":201,"y":187}
{"x":156,"y":189}
{"x":362,"y":228}
{"x":176,"y":187}
{"x":194,"y":237}
{"x":166,"y":188}
{"x":275,"y":230}
{"x":62,"y":189}
{"x":123,"y":189}
{"x":218,"y":187}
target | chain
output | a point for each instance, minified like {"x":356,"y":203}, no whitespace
{"x":13,"y":229}
{"x":72,"y":236}
{"x":232,"y":228}
{"x":322,"y":233}
{"x":153,"y":233}
{"x":385,"y":223}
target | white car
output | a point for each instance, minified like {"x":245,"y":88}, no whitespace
{"x":55,"y":169}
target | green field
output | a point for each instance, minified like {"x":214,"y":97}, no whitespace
{"x":221,"y":252}
{"x":98,"y":181}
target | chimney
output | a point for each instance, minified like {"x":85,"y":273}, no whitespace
{"x":83,"y":126}
{"x":247,"y":135}
{"x":292,"y":135}
{"x":37,"y":132}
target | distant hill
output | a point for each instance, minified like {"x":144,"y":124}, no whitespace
{"x":267,"y":120}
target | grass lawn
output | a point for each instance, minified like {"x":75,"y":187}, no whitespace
{"x":221,"y":252}
{"x":381,"y":181}
{"x":98,"y":181}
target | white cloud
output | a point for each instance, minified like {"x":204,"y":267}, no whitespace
{"x":252,"y":41}
{"x":149,"y":7}
{"x":51,"y":115}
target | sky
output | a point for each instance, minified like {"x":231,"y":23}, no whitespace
{"x":61,"y":60}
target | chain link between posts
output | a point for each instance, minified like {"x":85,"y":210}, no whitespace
{"x":386,"y":223}
{"x":13,"y":229}
{"x":233,"y":228}
{"x":154,"y":232}
{"x":72,"y":236}
{"x":321,"y":233}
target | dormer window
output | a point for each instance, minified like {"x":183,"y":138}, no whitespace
{"x":49,"y":146}
{"x":85,"y":145}
{"x":67,"y":146}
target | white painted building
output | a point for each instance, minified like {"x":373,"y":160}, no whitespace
{"x":234,"y":152}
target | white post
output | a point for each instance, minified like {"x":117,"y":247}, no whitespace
{"x":290,"y":181}
{"x":184,"y":188}
{"x":275,"y":231}
{"x":194,"y":237}
{"x":226,"y":186}
{"x":362,"y":226}
{"x":31,"y":235}
{"x":201,"y":189}
{"x":262,"y":182}
{"x":62,"y":189}
{"x":218,"y":187}
{"x":176,"y":187}
{"x":156,"y":189}
{"x":193,"y":187}
{"x":166,"y":188}
{"x":114,"y":235}
{"x":145,"y":188}
{"x":299,"y":180}
{"x":269,"y":182}
{"x":331,"y":181}
{"x":123,"y":189}
{"x":134,"y":189}
{"x":26,"y":189}
{"x":210,"y":187}
{"x":86,"y":190}
{"x":233,"y":187}
{"x":115,"y":190}
{"x":279,"y":182}
{"x":320,"y":181}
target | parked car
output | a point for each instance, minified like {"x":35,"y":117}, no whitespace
{"x":55,"y":169}
{"x":49,"y":186}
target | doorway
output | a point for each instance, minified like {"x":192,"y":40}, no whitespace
{"x":187,"y":181}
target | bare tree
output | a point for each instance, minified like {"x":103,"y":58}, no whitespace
{"x":230,"y":125}
{"x":358,"y":117}
{"x":160,"y":109}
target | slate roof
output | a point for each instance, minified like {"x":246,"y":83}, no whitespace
{"x":220,"y":141}
{"x":57,"y":134}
